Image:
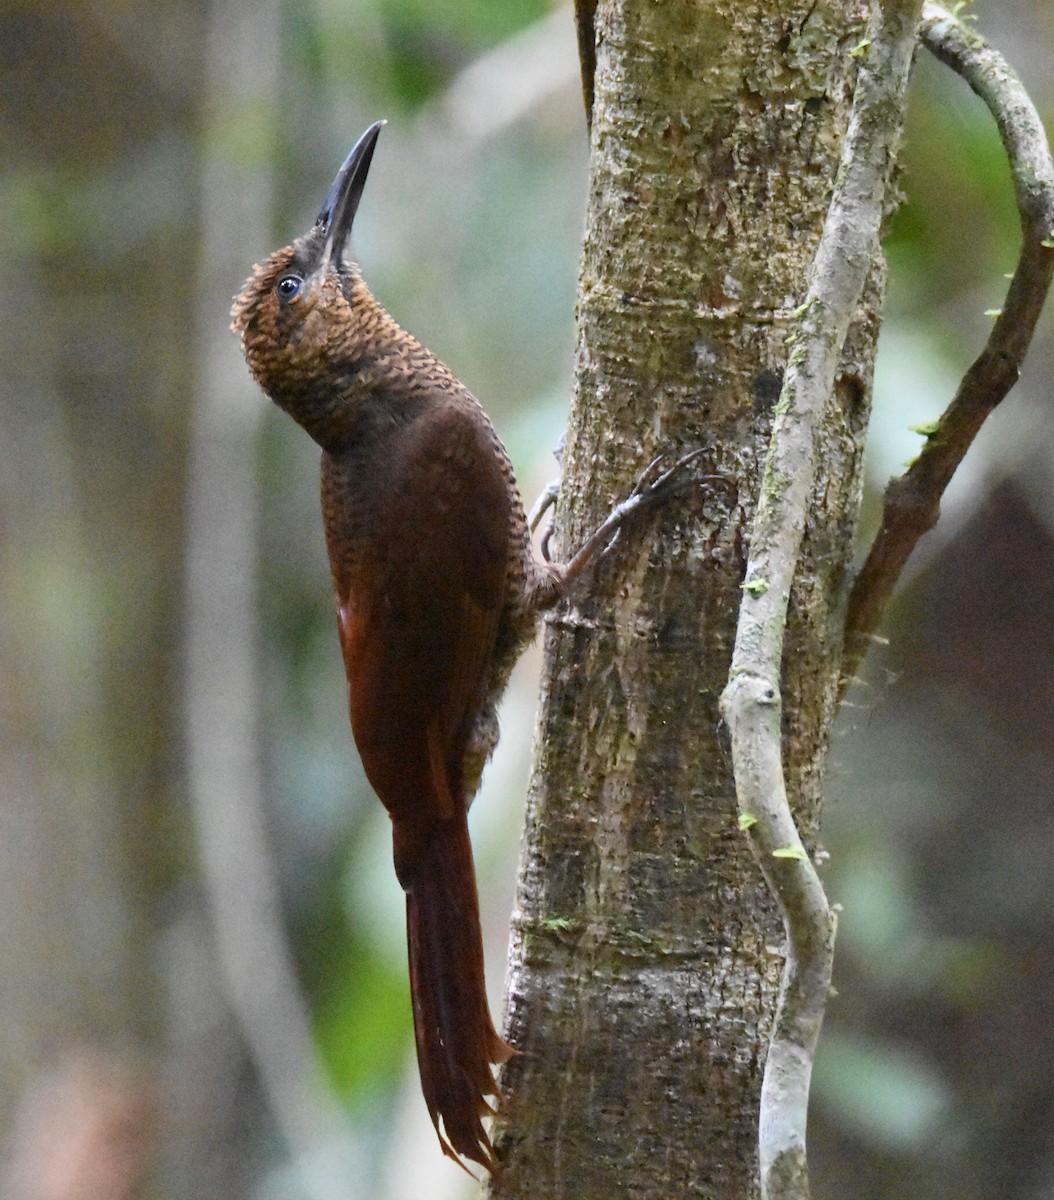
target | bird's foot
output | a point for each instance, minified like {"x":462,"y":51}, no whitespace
{"x":654,"y":484}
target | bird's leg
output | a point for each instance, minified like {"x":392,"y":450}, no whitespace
{"x":652,"y":486}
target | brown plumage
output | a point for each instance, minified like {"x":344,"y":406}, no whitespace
{"x":437,"y":592}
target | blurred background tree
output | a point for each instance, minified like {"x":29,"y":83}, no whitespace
{"x":151,"y":155}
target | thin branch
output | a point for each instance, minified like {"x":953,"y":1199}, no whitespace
{"x":751,"y":703}
{"x":912,"y":501}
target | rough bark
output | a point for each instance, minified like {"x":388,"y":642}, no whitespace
{"x":646,"y":952}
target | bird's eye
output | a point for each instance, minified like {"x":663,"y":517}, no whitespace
{"x":288,"y":287}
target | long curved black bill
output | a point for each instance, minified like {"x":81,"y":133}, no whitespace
{"x":342,"y":203}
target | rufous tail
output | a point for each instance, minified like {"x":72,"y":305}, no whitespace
{"x":456,"y":1040}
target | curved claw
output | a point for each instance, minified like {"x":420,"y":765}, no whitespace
{"x":643,"y":484}
{"x":543,"y":545}
{"x":659,"y":484}
{"x":546,"y":500}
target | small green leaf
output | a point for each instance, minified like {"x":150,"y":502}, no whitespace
{"x":756,"y":587}
{"x":860,"y":49}
{"x":1048,"y":241}
{"x":993,"y":312}
{"x":927,"y":429}
{"x":746,"y":820}
{"x":560,"y":924}
{"x":791,"y":852}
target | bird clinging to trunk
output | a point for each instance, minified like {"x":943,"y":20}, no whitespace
{"x":437,"y":592}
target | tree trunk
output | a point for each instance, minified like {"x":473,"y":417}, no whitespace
{"x":646,"y":957}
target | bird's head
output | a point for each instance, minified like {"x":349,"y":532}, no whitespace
{"x":304,"y":311}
